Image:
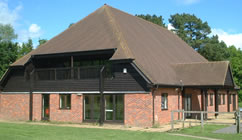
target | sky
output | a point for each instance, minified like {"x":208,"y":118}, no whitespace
{"x":44,"y":19}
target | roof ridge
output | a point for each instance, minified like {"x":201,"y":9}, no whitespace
{"x":119,"y":35}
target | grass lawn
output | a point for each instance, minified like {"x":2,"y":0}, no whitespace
{"x":196,"y":131}
{"x":13,"y":131}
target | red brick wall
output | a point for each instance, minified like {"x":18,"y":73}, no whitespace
{"x":37,"y":106}
{"x":73,"y":115}
{"x":138,"y":109}
{"x":164,"y":116}
{"x":223,"y":107}
{"x":196,"y":98}
{"x":14,"y":107}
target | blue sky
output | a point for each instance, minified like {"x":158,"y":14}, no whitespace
{"x":46,"y":18}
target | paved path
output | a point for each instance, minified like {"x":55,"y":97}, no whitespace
{"x":229,"y":130}
{"x":197,"y":137}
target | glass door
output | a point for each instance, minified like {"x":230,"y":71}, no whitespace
{"x":188,"y":105}
{"x":45,"y":106}
{"x":113,"y":107}
{"x":109,"y":107}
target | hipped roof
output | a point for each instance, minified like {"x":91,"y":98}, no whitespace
{"x":154,"y":49}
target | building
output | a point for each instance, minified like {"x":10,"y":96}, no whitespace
{"x":132,"y":70}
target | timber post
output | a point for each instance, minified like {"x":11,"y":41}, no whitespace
{"x":101,"y":89}
{"x":202,"y":120}
{"x":183,"y":118}
{"x":238,"y":121}
{"x":31,"y":95}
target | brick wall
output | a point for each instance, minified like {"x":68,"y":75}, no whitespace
{"x":37,"y":107}
{"x":223,"y":107}
{"x":14,"y":107}
{"x":196,"y":98}
{"x":138,"y":109}
{"x":164,"y":116}
{"x":73,"y":115}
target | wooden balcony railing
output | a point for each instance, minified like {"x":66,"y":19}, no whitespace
{"x":88,"y":72}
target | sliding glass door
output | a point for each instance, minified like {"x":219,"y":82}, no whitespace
{"x":113,"y":107}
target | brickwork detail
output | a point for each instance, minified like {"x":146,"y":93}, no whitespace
{"x":14,"y":107}
{"x":72,"y":115}
{"x":138,"y":109}
{"x":37,"y":107}
{"x":164,"y":116}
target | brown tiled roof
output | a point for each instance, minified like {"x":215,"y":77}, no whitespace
{"x":203,"y":74}
{"x":154,"y":49}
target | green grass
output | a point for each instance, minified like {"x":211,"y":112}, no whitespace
{"x":207,"y":132}
{"x":14,"y":131}
{"x":240,"y":104}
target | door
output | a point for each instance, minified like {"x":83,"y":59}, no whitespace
{"x":113,"y":107}
{"x":234,"y":102}
{"x":188,"y":105}
{"x":45,"y":106}
{"x":109,"y":107}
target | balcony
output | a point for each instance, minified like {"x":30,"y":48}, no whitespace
{"x":88,"y":72}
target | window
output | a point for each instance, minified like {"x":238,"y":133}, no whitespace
{"x":219,"y":99}
{"x":224,"y":99}
{"x":211,"y":99}
{"x":164,"y":101}
{"x":65,"y":101}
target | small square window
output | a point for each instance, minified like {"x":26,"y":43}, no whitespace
{"x":164,"y":101}
{"x":65,"y":101}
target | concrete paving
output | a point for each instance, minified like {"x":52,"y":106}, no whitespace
{"x":229,"y":130}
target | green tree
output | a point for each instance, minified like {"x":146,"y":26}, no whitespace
{"x":71,"y":24}
{"x":25,"y":48}
{"x":190,"y":28}
{"x":236,"y":63}
{"x":42,"y":41}
{"x":154,"y":19}
{"x":7,"y":33}
{"x":8,"y":55}
{"x":214,"y":50}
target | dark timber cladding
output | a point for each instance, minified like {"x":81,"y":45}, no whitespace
{"x":116,"y":81}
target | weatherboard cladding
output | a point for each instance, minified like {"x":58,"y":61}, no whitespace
{"x":131,"y":81}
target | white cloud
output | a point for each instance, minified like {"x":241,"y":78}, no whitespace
{"x":34,"y":28}
{"x":187,"y":2}
{"x":34,"y":31}
{"x":170,"y":27}
{"x":8,"y":16}
{"x":228,"y":38}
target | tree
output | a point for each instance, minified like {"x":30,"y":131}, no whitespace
{"x":7,"y":33}
{"x":154,"y":19}
{"x":214,"y":50}
{"x":71,"y":24}
{"x":8,"y":55}
{"x":190,"y":28}
{"x":25,"y":48}
{"x":42,"y":41}
{"x":236,"y":63}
